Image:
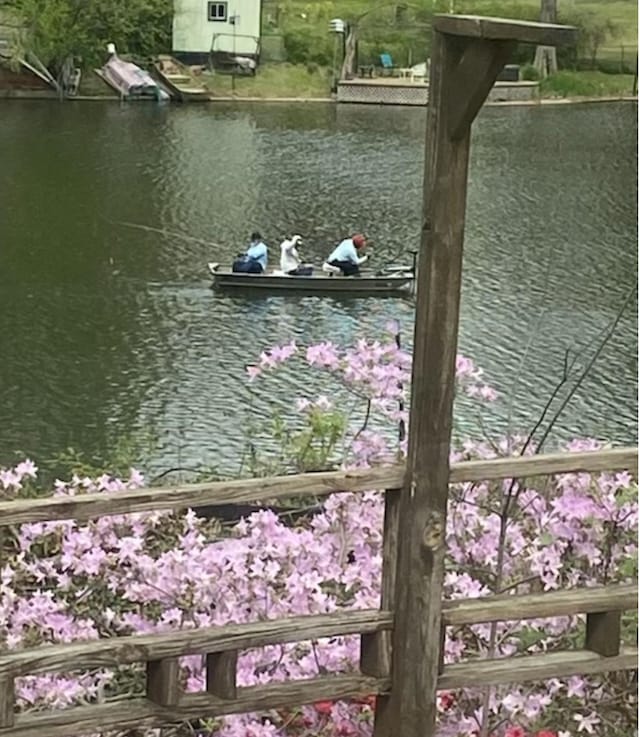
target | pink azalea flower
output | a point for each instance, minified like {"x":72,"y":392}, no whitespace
{"x":587,"y":723}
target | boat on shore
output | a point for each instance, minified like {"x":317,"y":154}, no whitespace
{"x":129,"y":80}
{"x":179,"y":80}
{"x":393,"y":280}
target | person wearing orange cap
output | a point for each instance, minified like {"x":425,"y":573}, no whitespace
{"x":346,"y":255}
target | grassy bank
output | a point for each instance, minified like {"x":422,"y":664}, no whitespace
{"x":289,"y":80}
{"x":274,"y":80}
{"x":311,"y":81}
{"x":586,"y":84}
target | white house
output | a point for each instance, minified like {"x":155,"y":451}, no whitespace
{"x":207,"y":28}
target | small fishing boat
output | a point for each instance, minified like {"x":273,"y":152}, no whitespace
{"x":392,"y":280}
{"x":129,"y":80}
{"x":183,"y":86}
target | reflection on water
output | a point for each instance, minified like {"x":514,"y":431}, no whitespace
{"x":108,"y":330}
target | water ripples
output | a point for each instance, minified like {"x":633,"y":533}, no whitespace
{"x":112,"y":331}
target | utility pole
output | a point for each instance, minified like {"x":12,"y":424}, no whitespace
{"x":337,"y":27}
{"x":234,"y":20}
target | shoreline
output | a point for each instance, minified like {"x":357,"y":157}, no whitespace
{"x":27,"y":95}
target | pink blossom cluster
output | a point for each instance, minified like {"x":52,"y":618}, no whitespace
{"x":378,"y":372}
{"x":160,"y":572}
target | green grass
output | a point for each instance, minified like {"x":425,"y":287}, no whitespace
{"x":623,"y":13}
{"x":586,"y":84}
{"x":288,"y":80}
{"x":274,"y":80}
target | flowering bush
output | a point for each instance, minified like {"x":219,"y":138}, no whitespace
{"x":156,"y":572}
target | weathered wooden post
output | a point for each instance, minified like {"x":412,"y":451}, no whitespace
{"x":468,"y":52}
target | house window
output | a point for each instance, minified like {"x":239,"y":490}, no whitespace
{"x":217,"y":12}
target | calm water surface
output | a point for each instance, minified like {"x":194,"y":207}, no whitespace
{"x":108,"y":332}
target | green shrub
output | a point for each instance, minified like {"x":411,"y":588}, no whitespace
{"x":308,"y":45}
{"x":586,"y":84}
{"x":529,"y":73}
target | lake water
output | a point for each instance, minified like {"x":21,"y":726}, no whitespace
{"x":108,"y":332}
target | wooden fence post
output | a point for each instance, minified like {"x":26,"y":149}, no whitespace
{"x":467,"y":54}
{"x":221,"y":674}
{"x":424,"y":499}
{"x":163,"y":685}
{"x":7,"y":701}
{"x":375,"y":650}
{"x":603,"y":633}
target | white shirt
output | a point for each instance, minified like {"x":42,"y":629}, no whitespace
{"x":289,"y":258}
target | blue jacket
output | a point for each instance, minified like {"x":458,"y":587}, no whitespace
{"x":258,"y":252}
{"x":345,"y":251}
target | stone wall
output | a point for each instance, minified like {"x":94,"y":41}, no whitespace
{"x":414,"y":93}
{"x":383,"y":93}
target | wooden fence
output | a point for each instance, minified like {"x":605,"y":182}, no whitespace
{"x":467,"y":54}
{"x":165,"y":703}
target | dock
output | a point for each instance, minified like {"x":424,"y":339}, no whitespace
{"x":405,"y":91}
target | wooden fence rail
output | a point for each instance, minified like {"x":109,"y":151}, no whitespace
{"x":166,"y":703}
{"x":88,"y":506}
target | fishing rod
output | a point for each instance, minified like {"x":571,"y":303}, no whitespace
{"x":162,"y":231}
{"x":395,"y":256}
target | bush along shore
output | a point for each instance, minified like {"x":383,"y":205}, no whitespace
{"x":160,"y":572}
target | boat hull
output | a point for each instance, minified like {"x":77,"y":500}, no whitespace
{"x":178,"y":80}
{"x":147,"y":91}
{"x":366,"y":283}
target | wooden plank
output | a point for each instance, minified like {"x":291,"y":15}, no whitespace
{"x":603,"y":632}
{"x":380,"y":660}
{"x":7,"y":701}
{"x":526,"y":668}
{"x":423,"y":511}
{"x":506,"y":608}
{"x":111,"y":652}
{"x":163,"y":686}
{"x":472,"y":81}
{"x":221,"y":674}
{"x":89,"y":506}
{"x":142,"y":713}
{"x":613,"y":459}
{"x":501,"y":29}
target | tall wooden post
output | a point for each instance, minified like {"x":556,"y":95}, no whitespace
{"x":467,"y":54}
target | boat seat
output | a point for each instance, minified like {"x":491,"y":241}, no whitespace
{"x":331,"y":270}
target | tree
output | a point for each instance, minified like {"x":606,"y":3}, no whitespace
{"x":546,"y":61}
{"x":57,"y":29}
{"x":593,"y":32}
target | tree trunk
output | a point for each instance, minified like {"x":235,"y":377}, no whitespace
{"x":349,"y":54}
{"x":546,"y":61}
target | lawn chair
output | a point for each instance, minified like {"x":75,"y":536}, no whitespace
{"x":387,"y":64}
